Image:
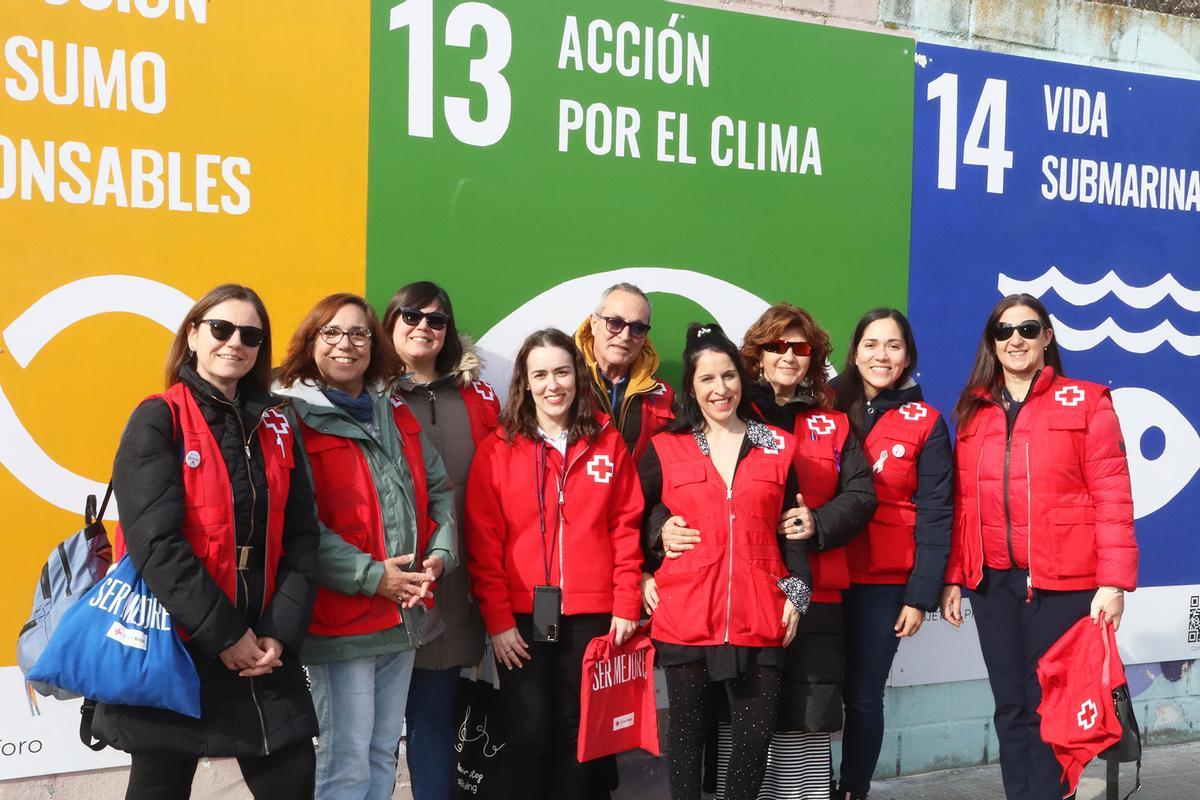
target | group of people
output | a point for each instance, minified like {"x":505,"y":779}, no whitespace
{"x":369,"y":511}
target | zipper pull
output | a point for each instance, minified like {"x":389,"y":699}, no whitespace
{"x":432,"y":407}
{"x":246,"y":447}
{"x":561,"y":499}
{"x":1029,"y":588}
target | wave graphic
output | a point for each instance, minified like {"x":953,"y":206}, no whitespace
{"x":1130,"y":341}
{"x":1083,"y":294}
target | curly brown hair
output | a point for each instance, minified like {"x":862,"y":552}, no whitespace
{"x":519,"y":417}
{"x":773,"y":323}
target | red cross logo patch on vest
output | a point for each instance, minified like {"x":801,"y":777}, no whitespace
{"x":774,"y":451}
{"x":483,"y":390}
{"x":1086,"y":718}
{"x":600,"y":468}
{"x":1070,"y":396}
{"x":821,"y":424}
{"x":396,"y":401}
{"x":913,"y":411}
{"x":274,"y":421}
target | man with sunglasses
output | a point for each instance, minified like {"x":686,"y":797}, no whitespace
{"x":614,"y":341}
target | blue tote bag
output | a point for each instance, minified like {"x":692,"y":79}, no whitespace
{"x":118,"y":645}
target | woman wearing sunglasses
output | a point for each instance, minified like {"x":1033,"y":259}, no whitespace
{"x":388,"y":532}
{"x":552,"y":514}
{"x":727,"y":600}
{"x":786,"y":350}
{"x":456,"y":409}
{"x":1043,"y":530}
{"x":897,"y":564}
{"x":216,"y":513}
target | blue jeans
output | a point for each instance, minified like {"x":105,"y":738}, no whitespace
{"x":431,"y":732}
{"x":870,"y":613}
{"x":360,"y":708}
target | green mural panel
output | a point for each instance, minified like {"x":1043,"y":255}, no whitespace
{"x":509,"y":155}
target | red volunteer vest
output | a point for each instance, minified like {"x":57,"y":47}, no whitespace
{"x":208,"y":496}
{"x":348,"y":505}
{"x":726,"y":589}
{"x":656,"y":413}
{"x":884,"y":553}
{"x":820,"y":440}
{"x":483,"y":408}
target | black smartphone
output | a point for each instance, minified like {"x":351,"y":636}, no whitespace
{"x":547,"y":613}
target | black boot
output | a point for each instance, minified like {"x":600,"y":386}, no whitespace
{"x":845,"y":794}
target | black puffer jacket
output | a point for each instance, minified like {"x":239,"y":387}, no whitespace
{"x":812,"y":676}
{"x":239,"y":716}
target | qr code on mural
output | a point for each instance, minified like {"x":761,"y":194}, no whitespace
{"x":1194,"y":620}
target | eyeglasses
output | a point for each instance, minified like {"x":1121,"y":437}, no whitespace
{"x":615,"y":325}
{"x":1029,"y":329}
{"x":437,"y":320}
{"x":222,"y":330}
{"x":332,"y":334}
{"x":782,"y":346}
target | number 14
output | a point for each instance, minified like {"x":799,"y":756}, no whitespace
{"x":991,"y":111}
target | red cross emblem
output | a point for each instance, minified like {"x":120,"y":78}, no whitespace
{"x":660,"y":390}
{"x":483,"y":390}
{"x":773,"y":451}
{"x":396,"y":401}
{"x":277,"y":423}
{"x":821,"y":424}
{"x":1069,"y":396}
{"x":913,"y":411}
{"x":1086,"y":718}
{"x":600,"y":468}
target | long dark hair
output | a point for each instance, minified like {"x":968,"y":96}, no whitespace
{"x":180,"y":353}
{"x":702,"y":337}
{"x":986,"y":372}
{"x":519,"y":417}
{"x":418,"y":295}
{"x":299,"y":364}
{"x":851,"y":398}
{"x":773,"y":323}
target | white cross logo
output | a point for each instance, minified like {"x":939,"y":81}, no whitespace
{"x":913,"y":411}
{"x":774,"y":451}
{"x":1087,"y":714}
{"x":277,"y":423}
{"x":483,"y":390}
{"x":1070,"y":396}
{"x":600,"y":468}
{"x":821,"y":424}
{"x":396,"y":401}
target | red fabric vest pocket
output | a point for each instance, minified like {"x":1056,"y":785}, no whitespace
{"x":1073,"y":529}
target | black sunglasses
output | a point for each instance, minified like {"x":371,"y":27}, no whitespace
{"x":1029,"y":329}
{"x":438,"y":320}
{"x":222,"y":330}
{"x":615,"y":325}
{"x":782,"y":346}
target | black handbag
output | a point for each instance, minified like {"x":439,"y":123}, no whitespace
{"x":1127,"y":749}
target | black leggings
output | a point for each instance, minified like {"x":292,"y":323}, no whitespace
{"x":753,"y":706}
{"x":287,"y":774}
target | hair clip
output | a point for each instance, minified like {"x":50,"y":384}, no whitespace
{"x":704,"y":331}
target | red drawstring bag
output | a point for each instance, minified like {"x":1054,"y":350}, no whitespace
{"x":616,"y":697}
{"x":1078,"y":674}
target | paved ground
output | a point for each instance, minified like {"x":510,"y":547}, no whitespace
{"x":1170,"y":772}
